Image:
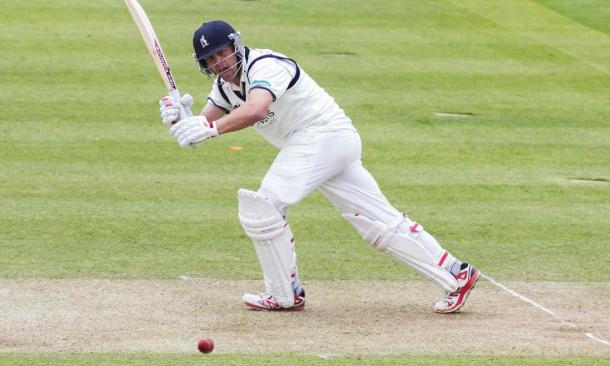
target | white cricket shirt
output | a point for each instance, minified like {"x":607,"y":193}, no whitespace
{"x":298,"y":100}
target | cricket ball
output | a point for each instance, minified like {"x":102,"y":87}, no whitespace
{"x":206,"y":345}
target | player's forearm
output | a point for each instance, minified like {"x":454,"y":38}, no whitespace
{"x":240,"y":118}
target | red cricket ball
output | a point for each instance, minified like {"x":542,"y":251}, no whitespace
{"x":206,"y":345}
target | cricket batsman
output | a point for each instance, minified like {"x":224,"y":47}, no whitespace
{"x":319,"y":149}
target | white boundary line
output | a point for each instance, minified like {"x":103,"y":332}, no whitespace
{"x":540,"y":307}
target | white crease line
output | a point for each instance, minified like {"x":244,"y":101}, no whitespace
{"x":535,"y":304}
{"x":189,"y":278}
{"x":329,"y":356}
{"x":597,"y":339}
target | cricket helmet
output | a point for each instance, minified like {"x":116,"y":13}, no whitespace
{"x":212,"y":37}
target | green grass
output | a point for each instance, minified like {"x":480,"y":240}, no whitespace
{"x":591,"y":13}
{"x":92,"y":186}
{"x":280,"y":360}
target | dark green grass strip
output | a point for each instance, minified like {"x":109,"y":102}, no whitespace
{"x":591,"y":13}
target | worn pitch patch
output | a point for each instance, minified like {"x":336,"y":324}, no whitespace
{"x":341,"y":318}
{"x":589,"y":181}
{"x":453,"y":115}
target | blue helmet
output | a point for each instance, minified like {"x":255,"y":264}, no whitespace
{"x":212,"y":37}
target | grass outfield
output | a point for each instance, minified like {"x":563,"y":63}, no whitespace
{"x":94,"y":187}
{"x":278,"y":360}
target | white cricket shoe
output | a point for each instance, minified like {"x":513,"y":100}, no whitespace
{"x":264,"y":301}
{"x":453,"y":301}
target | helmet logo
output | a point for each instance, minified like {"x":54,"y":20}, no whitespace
{"x":203,"y":41}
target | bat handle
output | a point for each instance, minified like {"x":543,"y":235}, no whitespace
{"x":175,"y":95}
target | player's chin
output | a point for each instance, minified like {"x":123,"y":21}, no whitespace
{"x":226,"y":74}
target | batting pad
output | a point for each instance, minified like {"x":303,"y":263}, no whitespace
{"x":270,"y":233}
{"x":403,"y":247}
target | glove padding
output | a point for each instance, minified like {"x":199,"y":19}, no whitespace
{"x":170,"y":109}
{"x":193,"y":130}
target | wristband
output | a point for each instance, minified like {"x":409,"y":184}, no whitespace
{"x":213,"y":129}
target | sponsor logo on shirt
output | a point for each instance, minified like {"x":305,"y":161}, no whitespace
{"x":267,"y":121}
{"x":264,"y":83}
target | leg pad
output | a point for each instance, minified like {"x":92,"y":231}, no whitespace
{"x":403,"y":247}
{"x":271,"y":236}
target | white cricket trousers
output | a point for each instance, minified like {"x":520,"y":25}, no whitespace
{"x":318,"y":157}
{"x":329,"y":160}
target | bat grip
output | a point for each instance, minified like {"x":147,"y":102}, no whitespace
{"x":175,"y":95}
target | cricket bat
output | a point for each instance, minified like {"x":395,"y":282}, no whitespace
{"x":154,"y":48}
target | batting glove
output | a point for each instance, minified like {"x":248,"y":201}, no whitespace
{"x":170,"y":110}
{"x":193,"y":130}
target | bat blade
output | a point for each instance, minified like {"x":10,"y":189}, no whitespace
{"x":154,"y":46}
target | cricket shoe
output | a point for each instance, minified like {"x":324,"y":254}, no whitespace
{"x":453,"y":301}
{"x":264,"y":301}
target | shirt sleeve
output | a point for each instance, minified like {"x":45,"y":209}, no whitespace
{"x":272,"y":74}
{"x":218,"y":98}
